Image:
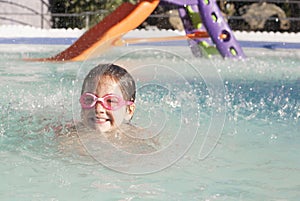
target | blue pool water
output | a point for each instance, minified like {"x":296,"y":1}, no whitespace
{"x":234,"y":126}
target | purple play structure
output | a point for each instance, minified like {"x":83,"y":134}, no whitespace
{"x":214,"y":23}
{"x":198,"y":16}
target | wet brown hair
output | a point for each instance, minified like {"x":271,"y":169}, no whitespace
{"x":116,"y":73}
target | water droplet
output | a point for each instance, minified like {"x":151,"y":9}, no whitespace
{"x":273,"y":137}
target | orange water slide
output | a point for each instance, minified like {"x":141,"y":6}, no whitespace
{"x":103,"y":35}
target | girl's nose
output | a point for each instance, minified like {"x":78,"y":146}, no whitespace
{"x":99,"y":108}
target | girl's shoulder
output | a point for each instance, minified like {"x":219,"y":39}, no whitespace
{"x":127,"y":137}
{"x":134,"y":139}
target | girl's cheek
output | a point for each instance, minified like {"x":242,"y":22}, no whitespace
{"x":117,"y":118}
{"x":86,"y":113}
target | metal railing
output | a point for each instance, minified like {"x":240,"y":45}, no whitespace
{"x":48,"y":19}
{"x":14,"y":17}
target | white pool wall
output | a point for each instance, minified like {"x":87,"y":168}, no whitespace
{"x":17,"y":31}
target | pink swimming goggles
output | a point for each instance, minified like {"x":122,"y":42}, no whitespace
{"x":108,"y":101}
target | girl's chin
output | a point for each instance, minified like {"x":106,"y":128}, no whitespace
{"x":103,"y":127}
{"x":98,"y":125}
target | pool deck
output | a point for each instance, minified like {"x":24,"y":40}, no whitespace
{"x":36,"y":36}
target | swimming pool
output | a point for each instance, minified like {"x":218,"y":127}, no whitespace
{"x":237,"y":122}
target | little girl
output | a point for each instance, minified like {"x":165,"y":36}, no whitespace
{"x":107,"y":106}
{"x":107,"y":98}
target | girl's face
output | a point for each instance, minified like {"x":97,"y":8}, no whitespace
{"x":102,"y":119}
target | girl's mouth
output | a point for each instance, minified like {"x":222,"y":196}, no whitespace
{"x":101,"y":120}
